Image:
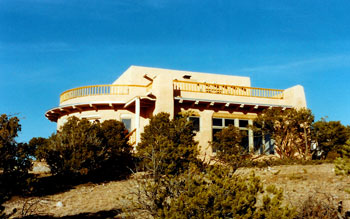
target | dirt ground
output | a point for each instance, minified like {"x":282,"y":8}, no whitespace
{"x":301,"y":181}
{"x":297,"y":181}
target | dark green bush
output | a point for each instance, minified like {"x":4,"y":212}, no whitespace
{"x":167,"y":146}
{"x":330,"y":135}
{"x":217,"y":193}
{"x":342,"y":164}
{"x":228,"y":147}
{"x":82,"y":147}
{"x":211,"y":192}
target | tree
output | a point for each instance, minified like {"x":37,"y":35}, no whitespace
{"x":14,"y":159}
{"x":37,"y":146}
{"x":117,"y":155}
{"x":342,"y":164}
{"x":167,"y":146}
{"x":228,"y":146}
{"x":290,"y":130}
{"x":330,"y":136}
{"x":12,"y":156}
{"x":82,"y":147}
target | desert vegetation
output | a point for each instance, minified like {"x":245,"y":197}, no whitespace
{"x":166,"y":179}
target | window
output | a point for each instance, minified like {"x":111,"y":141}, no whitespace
{"x":220,"y":123}
{"x":126,"y":119}
{"x":217,"y":122}
{"x":92,"y":118}
{"x":196,"y":123}
{"x":229,"y":122}
{"x":127,"y":123}
{"x":243,"y":123}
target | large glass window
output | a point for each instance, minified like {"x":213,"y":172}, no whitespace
{"x":220,"y":123}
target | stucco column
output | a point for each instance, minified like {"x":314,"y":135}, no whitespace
{"x":163,"y":90}
{"x":251,"y":137}
{"x":137,"y":120}
{"x":205,"y":132}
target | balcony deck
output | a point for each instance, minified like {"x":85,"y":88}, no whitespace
{"x":102,"y":90}
{"x":222,"y":89}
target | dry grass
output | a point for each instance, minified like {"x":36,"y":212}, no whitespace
{"x":300,"y":181}
{"x":297,"y":181}
{"x":81,"y":199}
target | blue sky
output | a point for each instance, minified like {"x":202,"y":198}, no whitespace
{"x":49,"y":46}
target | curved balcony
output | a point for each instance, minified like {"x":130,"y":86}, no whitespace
{"x":97,"y":97}
{"x":100,"y":90}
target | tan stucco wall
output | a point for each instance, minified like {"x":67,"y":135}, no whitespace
{"x":103,"y":115}
{"x":134,"y":75}
{"x":295,"y":96}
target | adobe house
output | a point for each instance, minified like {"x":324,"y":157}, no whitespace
{"x":216,"y":101}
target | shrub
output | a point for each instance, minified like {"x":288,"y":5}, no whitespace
{"x":342,"y":164}
{"x":318,"y":208}
{"x":228,"y":146}
{"x":82,"y":147}
{"x":117,"y":152}
{"x":330,"y":135}
{"x":212,"y":192}
{"x":167,"y":146}
{"x":332,"y":155}
{"x":217,"y":193}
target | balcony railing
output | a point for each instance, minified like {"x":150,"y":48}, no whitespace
{"x":132,"y":137}
{"x":97,"y":90}
{"x":227,"y":89}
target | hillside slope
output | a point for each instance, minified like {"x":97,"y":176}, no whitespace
{"x":93,"y":200}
